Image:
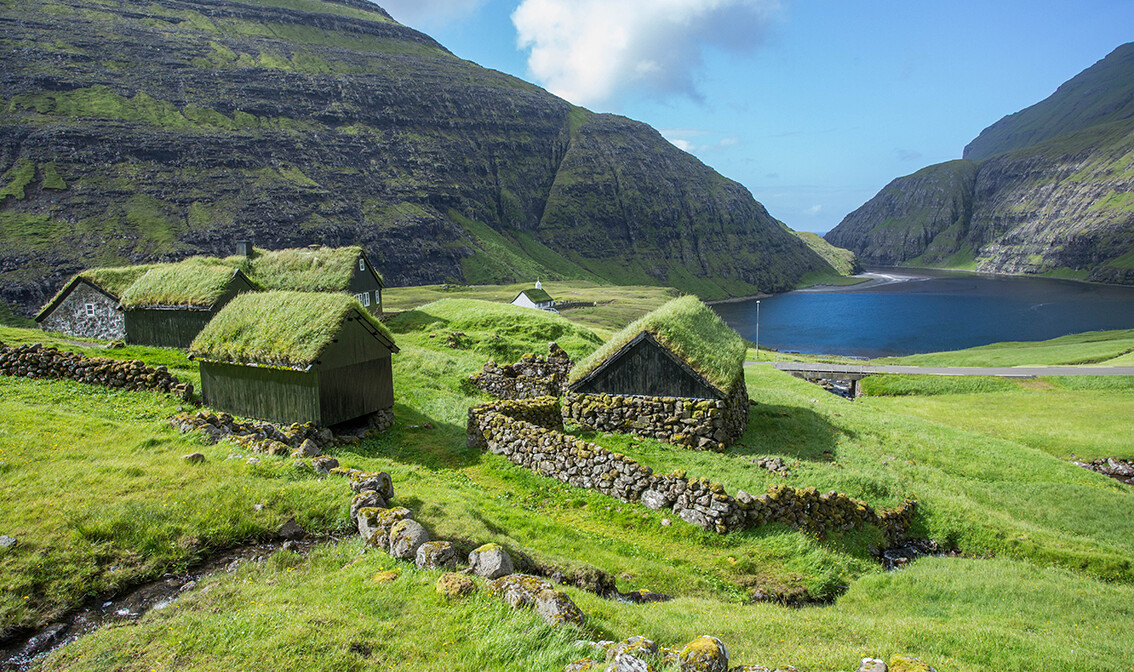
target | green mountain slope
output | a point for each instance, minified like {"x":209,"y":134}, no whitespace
{"x":149,"y":132}
{"x":1059,"y":203}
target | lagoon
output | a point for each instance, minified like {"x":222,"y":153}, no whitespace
{"x":907,"y":311}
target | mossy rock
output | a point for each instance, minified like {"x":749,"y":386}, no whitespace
{"x":909,"y":664}
{"x":387,"y":576}
{"x":453,"y":585}
{"x":704,"y":654}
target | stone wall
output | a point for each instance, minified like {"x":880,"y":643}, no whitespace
{"x":71,"y":317}
{"x":532,"y":376}
{"x":512,"y":429}
{"x":701,"y":424}
{"x":37,"y":361}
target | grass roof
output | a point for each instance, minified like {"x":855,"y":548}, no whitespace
{"x":197,"y":281}
{"x":278,"y":328}
{"x":537,"y":295}
{"x":691,"y":331}
{"x":116,"y":280}
{"x":320,"y":269}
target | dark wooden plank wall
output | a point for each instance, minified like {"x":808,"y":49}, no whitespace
{"x":353,"y":345}
{"x":165,"y":328}
{"x":365,"y":281}
{"x":352,"y":391}
{"x":645,"y":368}
{"x":277,"y":395}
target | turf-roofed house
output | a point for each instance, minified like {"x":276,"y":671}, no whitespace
{"x":169,"y":305}
{"x":319,"y":269}
{"x":88,"y":305}
{"x":676,"y":375}
{"x":297,"y":357}
{"x":534,"y":298}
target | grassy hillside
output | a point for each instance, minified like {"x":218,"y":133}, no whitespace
{"x":100,"y":499}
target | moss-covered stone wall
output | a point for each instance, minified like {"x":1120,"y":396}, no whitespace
{"x":36,"y":361}
{"x":532,"y":376}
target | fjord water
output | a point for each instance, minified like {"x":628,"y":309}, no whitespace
{"x":902,"y":312}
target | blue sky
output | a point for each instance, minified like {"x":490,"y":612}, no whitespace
{"x":814,"y":105}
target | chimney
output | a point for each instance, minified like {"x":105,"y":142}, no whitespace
{"x":244,"y":248}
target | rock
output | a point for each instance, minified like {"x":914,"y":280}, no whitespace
{"x":872,"y":665}
{"x":307,"y":449}
{"x":666,"y":522}
{"x":750,"y":668}
{"x":519,"y":590}
{"x":8,"y":542}
{"x":628,"y":662}
{"x":387,"y":576}
{"x":584,"y":665}
{"x":367,"y":499}
{"x":379,"y":482}
{"x":557,"y":608}
{"x":644,"y":596}
{"x":436,"y":555}
{"x":406,"y":536}
{"x":909,"y":664}
{"x":656,"y":500}
{"x":453,"y":585}
{"x":490,"y":561}
{"x":636,"y":645}
{"x":694,"y":517}
{"x":374,"y":525}
{"x":291,"y":530}
{"x":704,"y":654}
{"x":193,"y":458}
{"x":253,"y":460}
{"x":323,"y":464}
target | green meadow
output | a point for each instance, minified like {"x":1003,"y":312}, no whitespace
{"x":96,"y":492}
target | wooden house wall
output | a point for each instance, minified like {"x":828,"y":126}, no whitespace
{"x":278,"y":395}
{"x":165,"y":328}
{"x":367,"y":281}
{"x":352,"y":391}
{"x":353,"y":345}
{"x":646,"y":368}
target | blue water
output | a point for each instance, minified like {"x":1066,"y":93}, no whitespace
{"x":906,"y":312}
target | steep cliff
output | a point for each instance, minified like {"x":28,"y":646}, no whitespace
{"x":1059,"y":202}
{"x":152,"y":131}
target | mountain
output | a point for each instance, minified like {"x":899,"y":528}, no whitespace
{"x":1048,"y":190}
{"x":133,"y":132}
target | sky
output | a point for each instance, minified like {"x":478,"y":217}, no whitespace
{"x":813,"y":105}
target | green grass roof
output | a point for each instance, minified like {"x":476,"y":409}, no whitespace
{"x":197,"y":281}
{"x":320,"y":269}
{"x":278,"y":328}
{"x":114,"y":280}
{"x":691,"y":331}
{"x":537,"y":295}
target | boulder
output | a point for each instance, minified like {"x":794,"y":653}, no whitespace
{"x":436,"y":555}
{"x":387,"y":576}
{"x":291,"y":530}
{"x":378,"y":481}
{"x":307,"y":449}
{"x":557,"y":608}
{"x":374,"y":525}
{"x":872,"y":665}
{"x":8,"y":542}
{"x":519,"y":590}
{"x":656,"y":499}
{"x":636,"y":645}
{"x":453,"y":585}
{"x":694,"y":517}
{"x":584,"y":665}
{"x":367,"y":499}
{"x":750,"y":668}
{"x":909,"y":664}
{"x":704,"y":654}
{"x":193,"y":458}
{"x":323,"y":464}
{"x":628,"y":662}
{"x":491,"y":561}
{"x":406,"y":536}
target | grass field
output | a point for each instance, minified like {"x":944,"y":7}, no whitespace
{"x":99,"y":499}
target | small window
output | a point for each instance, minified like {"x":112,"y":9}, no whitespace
{"x":363,"y":298}
{"x":361,"y":264}
{"x":89,"y":309}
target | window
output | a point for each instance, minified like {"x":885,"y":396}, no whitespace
{"x":89,"y":310}
{"x":363,"y":298}
{"x":361,"y":264}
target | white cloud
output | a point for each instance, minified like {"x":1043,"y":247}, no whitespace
{"x":429,"y":12}
{"x":594,"y":51}
{"x":813,"y":210}
{"x":682,"y":139}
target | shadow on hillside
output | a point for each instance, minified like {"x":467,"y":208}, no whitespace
{"x":789,"y":431}
{"x":418,"y":439}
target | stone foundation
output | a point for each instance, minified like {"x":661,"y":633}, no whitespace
{"x":37,"y":361}
{"x":700,"y":424}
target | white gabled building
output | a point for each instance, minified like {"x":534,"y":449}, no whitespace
{"x":534,"y":298}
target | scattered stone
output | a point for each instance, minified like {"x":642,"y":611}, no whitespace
{"x":453,"y":585}
{"x":8,"y":542}
{"x":872,"y":665}
{"x":308,"y":449}
{"x":519,"y":590}
{"x":323,"y":464}
{"x":374,"y":525}
{"x":750,"y":668}
{"x":909,"y":664}
{"x":666,"y":522}
{"x":253,"y":460}
{"x":557,"y":608}
{"x":291,"y":530}
{"x":704,"y":654}
{"x":584,"y":665}
{"x":636,"y":645}
{"x":367,"y":499}
{"x":437,"y":555}
{"x":379,"y":482}
{"x":491,"y":561}
{"x":387,"y":576}
{"x":187,"y":586}
{"x":644,"y":597}
{"x":406,"y":536}
{"x":628,"y":662}
{"x":193,"y":458}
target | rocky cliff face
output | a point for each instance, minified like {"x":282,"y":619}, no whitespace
{"x":138,"y":132}
{"x":1060,"y":204}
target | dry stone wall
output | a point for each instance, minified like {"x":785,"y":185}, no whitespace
{"x":700,"y":424}
{"x":37,"y":361}
{"x":512,"y":429}
{"x":532,"y":376}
